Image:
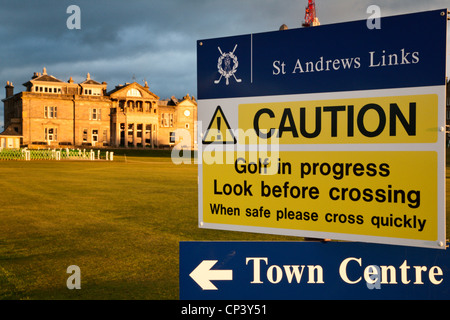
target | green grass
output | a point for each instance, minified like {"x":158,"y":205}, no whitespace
{"x":121,"y":222}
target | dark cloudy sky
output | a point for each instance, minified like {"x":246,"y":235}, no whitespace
{"x":153,"y":40}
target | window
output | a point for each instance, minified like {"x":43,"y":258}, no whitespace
{"x":47,"y":89}
{"x":85,"y":134}
{"x":96,"y":114}
{"x":92,"y":92}
{"x":51,"y":134}
{"x":172,"y":137}
{"x":167,"y":120}
{"x":50,"y":112}
{"x":105,"y":136}
{"x":94,"y":136}
{"x":134,"y":93}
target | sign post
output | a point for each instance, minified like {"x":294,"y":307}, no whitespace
{"x":311,"y":271}
{"x":343,"y":138}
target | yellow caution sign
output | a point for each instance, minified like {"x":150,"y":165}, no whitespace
{"x":219,"y":130}
{"x":390,"y":194}
{"x":390,"y":119}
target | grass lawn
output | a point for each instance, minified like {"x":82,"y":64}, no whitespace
{"x":120,"y":222}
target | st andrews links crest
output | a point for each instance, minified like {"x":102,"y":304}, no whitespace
{"x":227,"y":65}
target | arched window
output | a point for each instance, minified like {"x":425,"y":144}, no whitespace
{"x":134,"y":93}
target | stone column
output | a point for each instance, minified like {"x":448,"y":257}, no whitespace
{"x":151,"y":136}
{"x":126,"y":133}
{"x":143,"y":133}
{"x":117,"y":133}
{"x":134,"y":134}
{"x":155,"y":128}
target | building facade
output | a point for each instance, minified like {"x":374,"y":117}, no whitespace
{"x":54,"y":113}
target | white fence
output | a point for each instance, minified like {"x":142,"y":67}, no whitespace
{"x":55,"y":154}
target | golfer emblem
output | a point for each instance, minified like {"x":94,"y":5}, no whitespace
{"x":227,"y":65}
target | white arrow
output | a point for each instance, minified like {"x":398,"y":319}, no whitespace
{"x":203,"y":274}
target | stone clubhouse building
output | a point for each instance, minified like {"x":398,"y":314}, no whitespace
{"x":54,"y":113}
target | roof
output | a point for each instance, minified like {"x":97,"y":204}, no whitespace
{"x":47,"y":77}
{"x":9,"y":131}
{"x":132,"y":85}
{"x":43,"y":78}
{"x":172,"y":101}
{"x":90,"y":82}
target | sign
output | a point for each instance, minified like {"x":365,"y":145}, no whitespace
{"x":219,"y":130}
{"x":311,"y":270}
{"x":336,"y":131}
{"x":203,"y":275}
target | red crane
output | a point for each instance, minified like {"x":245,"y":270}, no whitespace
{"x":310,"y":15}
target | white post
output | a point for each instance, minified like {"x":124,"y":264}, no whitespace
{"x":111,"y":154}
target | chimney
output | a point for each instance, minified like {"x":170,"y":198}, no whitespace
{"x":9,"y":89}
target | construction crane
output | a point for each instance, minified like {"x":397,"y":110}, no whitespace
{"x":311,"y":19}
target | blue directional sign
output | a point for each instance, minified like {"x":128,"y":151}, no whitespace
{"x":311,"y":270}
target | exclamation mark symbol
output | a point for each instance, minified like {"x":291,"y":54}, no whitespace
{"x":219,"y":136}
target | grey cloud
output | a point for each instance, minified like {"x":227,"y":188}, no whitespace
{"x":145,"y":39}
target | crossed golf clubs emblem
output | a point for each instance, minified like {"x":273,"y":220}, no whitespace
{"x":227,"y":65}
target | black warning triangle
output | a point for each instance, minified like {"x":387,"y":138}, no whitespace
{"x":219,"y":130}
